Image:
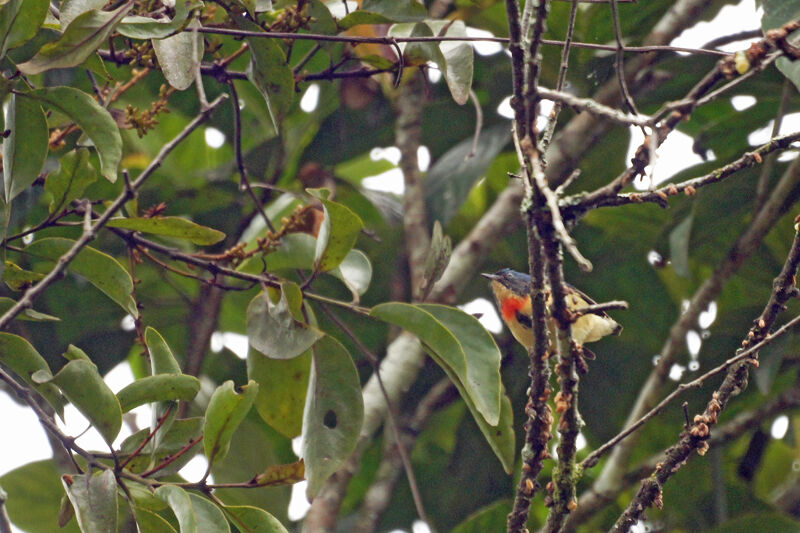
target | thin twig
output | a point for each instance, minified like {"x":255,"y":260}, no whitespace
{"x":443,"y":38}
{"x":596,"y":108}
{"x":620,"y":64}
{"x":552,"y":119}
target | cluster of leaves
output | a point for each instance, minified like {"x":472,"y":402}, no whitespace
{"x":301,"y":380}
{"x":69,"y":71}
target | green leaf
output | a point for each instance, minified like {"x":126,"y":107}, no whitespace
{"x":137,"y":27}
{"x":74,"y":353}
{"x":226,"y":410}
{"x":453,"y":175}
{"x":81,"y":38}
{"x":18,"y":279}
{"x":94,"y":499}
{"x":355,"y":272}
{"x":281,"y":391}
{"x":360,"y":16}
{"x":272,"y":328}
{"x":490,"y":518}
{"x":161,"y":359}
{"x":459,"y":58}
{"x":158,"y":388}
{"x":337,"y":234}
{"x":36,"y":493}
{"x":25,"y":148}
{"x":456,"y":351}
{"x":333,"y":414}
{"x":436,"y":261}
{"x":482,"y":355}
{"x":83,"y":385}
{"x":396,"y":10}
{"x":95,"y":121}
{"x":418,"y":53}
{"x":74,"y":174}
{"x":253,"y":520}
{"x":102,"y":271}
{"x":460,"y":344}
{"x":179,"y":56}
{"x":22,"y":358}
{"x":171,"y":227}
{"x":297,"y":251}
{"x":70,"y":9}
{"x":151,"y":522}
{"x":269,"y":72}
{"x":29,"y":314}
{"x":18,"y":25}
{"x":195,"y":514}
{"x":169,"y":441}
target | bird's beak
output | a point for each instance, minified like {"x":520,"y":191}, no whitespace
{"x":489,"y":276}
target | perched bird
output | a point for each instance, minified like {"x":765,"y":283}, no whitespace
{"x":511,"y":290}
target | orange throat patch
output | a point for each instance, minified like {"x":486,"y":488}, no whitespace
{"x":510,"y":307}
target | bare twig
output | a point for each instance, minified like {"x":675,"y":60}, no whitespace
{"x":552,"y":119}
{"x":594,"y":107}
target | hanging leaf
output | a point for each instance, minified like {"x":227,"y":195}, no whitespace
{"x":83,"y":385}
{"x":226,"y":410}
{"x":276,"y":329}
{"x":269,"y":72}
{"x":18,"y":25}
{"x":25,"y":148}
{"x":137,"y":27}
{"x":94,"y":499}
{"x":460,"y":344}
{"x":74,"y":174}
{"x":102,"y":271}
{"x":158,"y":388}
{"x":95,"y":121}
{"x":418,"y":53}
{"x":170,"y":227}
{"x":459,"y":58}
{"x":333,"y":414}
{"x":179,"y":56}
{"x":337,"y":234}
{"x":81,"y":38}
{"x":22,"y":358}
{"x":253,"y":519}
{"x":282,"y":386}
{"x":195,"y":514}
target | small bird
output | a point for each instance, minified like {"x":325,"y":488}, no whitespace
{"x":511,"y":290}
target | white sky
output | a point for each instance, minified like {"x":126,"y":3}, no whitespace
{"x":29,"y":443}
